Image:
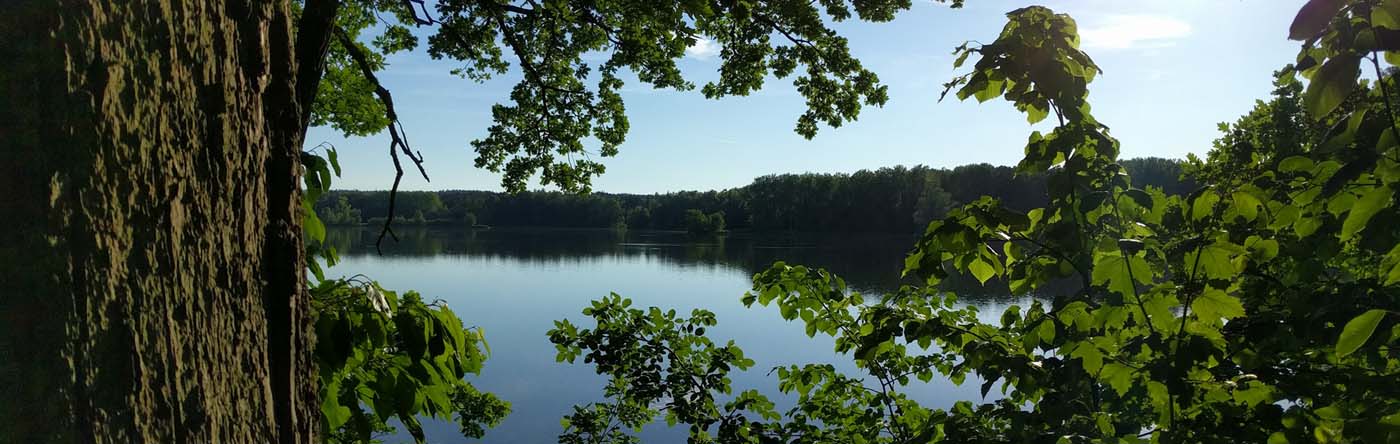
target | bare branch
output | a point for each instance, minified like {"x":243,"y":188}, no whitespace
{"x":426,"y":19}
{"x":398,"y":137}
{"x":792,"y":38}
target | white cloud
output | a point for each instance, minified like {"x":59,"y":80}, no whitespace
{"x":703,"y":49}
{"x":1134,"y":31}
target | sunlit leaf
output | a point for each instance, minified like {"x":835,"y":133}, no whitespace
{"x":1367,"y":206}
{"x":1331,"y":85}
{"x":1357,"y":331}
{"x":1214,"y":304}
{"x":1121,"y":274}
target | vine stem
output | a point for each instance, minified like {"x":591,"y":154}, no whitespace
{"x":1122,"y":232}
{"x":1185,"y":312}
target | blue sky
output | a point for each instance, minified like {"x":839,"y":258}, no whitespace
{"x":1172,"y":71}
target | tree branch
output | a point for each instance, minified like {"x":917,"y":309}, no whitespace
{"x":516,"y":9}
{"x":314,"y":31}
{"x":792,"y":38}
{"x":532,"y":72}
{"x":426,"y":19}
{"x":398,"y":138}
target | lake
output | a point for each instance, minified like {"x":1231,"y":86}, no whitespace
{"x":514,"y":283}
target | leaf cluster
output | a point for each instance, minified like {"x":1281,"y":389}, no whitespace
{"x":382,"y":356}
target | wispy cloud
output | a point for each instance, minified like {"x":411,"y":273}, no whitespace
{"x":703,"y":49}
{"x":1134,"y":32}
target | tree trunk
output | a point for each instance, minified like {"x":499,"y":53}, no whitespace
{"x":151,"y":269}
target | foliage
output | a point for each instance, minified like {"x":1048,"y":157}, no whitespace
{"x":563,"y":98}
{"x":1259,"y":308}
{"x":316,"y":182}
{"x":665,"y":363}
{"x":339,"y":214}
{"x":890,"y":200}
{"x":1166,"y":174}
{"x":697,"y":222}
{"x":381,"y":356}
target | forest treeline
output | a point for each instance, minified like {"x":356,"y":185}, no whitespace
{"x":892,"y":199}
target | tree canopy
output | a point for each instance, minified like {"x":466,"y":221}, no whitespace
{"x":889,"y":200}
{"x":1261,"y":307}
{"x":566,"y":111}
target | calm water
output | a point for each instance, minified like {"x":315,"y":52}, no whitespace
{"x":514,"y":283}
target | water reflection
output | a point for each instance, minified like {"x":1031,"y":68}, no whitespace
{"x":514,"y":283}
{"x":869,"y":262}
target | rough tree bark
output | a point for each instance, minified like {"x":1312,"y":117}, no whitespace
{"x":151,"y":269}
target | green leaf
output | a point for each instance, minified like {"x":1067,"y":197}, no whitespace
{"x":1284,"y":217}
{"x":1120,"y":273}
{"x":331,"y":157}
{"x":991,"y":91}
{"x":1105,"y":424}
{"x":334,"y":413}
{"x":1306,"y":226}
{"x":1386,"y":16}
{"x":1254,"y":394}
{"x":1089,"y":356}
{"x":1260,"y":248}
{"x":1118,"y":376}
{"x":1357,"y":331}
{"x":1361,"y":212}
{"x":981,"y":270}
{"x":1035,"y":114}
{"x":1010,"y":316}
{"x":1313,"y":17}
{"x":1295,"y":163}
{"x":1390,"y":266}
{"x":315,"y":230}
{"x":1046,"y":331}
{"x":1214,"y":304}
{"x":1204,"y":205}
{"x":1387,"y":140}
{"x":962,"y":57}
{"x":1345,"y":132}
{"x":1213,"y":261}
{"x":1330,"y":412}
{"x":315,"y":266}
{"x":1140,"y":197}
{"x":1331,"y":85}
{"x":1246,"y":205}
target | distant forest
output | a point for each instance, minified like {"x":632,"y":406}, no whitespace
{"x":889,"y":200}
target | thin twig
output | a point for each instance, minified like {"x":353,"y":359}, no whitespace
{"x":398,"y":137}
{"x":427,"y":18}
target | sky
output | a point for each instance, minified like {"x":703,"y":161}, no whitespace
{"x":1172,"y":69}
